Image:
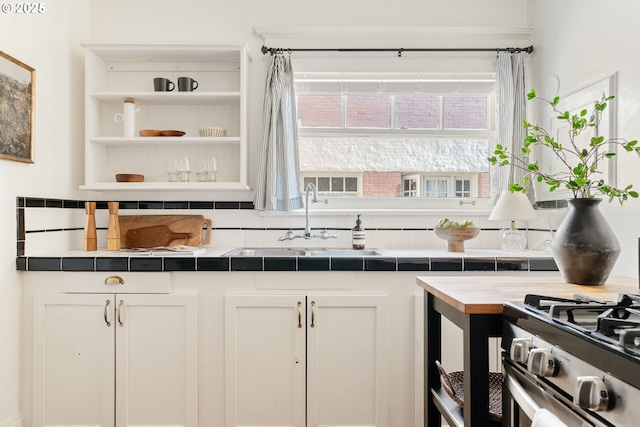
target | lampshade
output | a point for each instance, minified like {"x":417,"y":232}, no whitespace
{"x":513,"y":207}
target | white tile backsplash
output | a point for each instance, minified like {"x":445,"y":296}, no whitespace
{"x":249,"y":228}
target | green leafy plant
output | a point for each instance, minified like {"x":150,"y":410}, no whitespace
{"x":581,"y":175}
{"x":447,"y":223}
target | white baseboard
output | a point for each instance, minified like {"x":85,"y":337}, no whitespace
{"x":13,"y":421}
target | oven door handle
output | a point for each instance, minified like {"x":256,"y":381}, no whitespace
{"x":526,"y":403}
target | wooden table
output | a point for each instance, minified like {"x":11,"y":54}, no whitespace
{"x":474,"y":304}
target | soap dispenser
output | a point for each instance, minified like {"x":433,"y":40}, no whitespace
{"x":358,"y":235}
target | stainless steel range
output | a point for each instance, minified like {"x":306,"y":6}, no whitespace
{"x":577,"y":358}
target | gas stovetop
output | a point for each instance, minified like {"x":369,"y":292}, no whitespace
{"x":565,"y":342}
{"x":613,"y":322}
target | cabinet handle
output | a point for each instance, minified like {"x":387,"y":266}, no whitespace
{"x":119,"y":312}
{"x":106,"y":306}
{"x":114,"y":280}
{"x":313,"y":314}
{"x":299,"y":314}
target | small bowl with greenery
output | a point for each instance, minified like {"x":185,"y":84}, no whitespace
{"x":455,"y":233}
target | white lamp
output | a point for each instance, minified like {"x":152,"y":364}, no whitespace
{"x":513,"y":207}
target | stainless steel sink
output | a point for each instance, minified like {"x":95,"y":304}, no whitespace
{"x":317,"y":252}
{"x":262,"y":252}
{"x":333,"y":252}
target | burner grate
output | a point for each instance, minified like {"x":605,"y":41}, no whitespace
{"x":612,"y":321}
{"x":630,"y":340}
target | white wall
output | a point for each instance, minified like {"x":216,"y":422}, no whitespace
{"x":577,"y":41}
{"x":48,"y":43}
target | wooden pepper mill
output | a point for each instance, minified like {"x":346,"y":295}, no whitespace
{"x":113,"y":231}
{"x":90,"y":236}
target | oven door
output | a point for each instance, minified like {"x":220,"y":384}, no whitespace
{"x":524,"y":395}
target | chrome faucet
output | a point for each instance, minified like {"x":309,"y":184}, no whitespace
{"x":290,"y":235}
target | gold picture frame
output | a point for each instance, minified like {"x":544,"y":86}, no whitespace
{"x":17,"y":100}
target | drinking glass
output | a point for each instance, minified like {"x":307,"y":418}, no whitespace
{"x":202,"y":170}
{"x":212,"y":168}
{"x":184,"y":169}
{"x":172,"y":170}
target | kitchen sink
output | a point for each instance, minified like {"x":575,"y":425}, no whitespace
{"x":300,"y":252}
{"x":342,"y":252}
{"x":262,"y":252}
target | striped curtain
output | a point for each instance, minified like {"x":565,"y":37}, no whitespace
{"x":278,"y":186}
{"x":511,"y":110}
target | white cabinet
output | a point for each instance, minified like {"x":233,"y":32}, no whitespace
{"x":115,"y":72}
{"x":114,"y":360}
{"x":305,"y":360}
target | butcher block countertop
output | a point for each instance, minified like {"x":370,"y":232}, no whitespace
{"x":487,"y":294}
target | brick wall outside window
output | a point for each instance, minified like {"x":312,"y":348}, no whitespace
{"x":320,"y":111}
{"x":381,"y":184}
{"x":465,"y":112}
{"x":369,"y":111}
{"x":484,"y":184}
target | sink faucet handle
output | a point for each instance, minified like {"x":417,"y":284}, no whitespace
{"x":325,"y":235}
{"x":290,"y":235}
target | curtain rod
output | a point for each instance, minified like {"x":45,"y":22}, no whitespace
{"x":275,"y":50}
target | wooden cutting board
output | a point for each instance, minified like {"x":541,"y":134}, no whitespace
{"x":196,"y":225}
{"x":154,"y":236}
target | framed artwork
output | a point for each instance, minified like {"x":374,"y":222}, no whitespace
{"x":17,"y":97}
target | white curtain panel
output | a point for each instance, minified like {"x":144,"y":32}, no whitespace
{"x":511,"y":110}
{"x":278,"y":186}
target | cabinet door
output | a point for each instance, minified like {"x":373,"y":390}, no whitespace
{"x":156,"y":360}
{"x":347,"y":361}
{"x":73,"y":360}
{"x":264,"y":361}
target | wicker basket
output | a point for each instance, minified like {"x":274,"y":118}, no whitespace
{"x":453,"y":384}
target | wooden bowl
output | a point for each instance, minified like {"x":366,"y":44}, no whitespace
{"x":172,"y":133}
{"x":129,"y":177}
{"x":455,"y":237}
{"x":150,"y":132}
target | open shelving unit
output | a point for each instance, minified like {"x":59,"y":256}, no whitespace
{"x":115,"y":72}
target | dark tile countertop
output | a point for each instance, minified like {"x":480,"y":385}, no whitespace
{"x":472,"y":260}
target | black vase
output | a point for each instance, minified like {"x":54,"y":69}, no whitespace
{"x":585,"y":246}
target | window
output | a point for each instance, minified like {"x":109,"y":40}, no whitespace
{"x":394,"y":135}
{"x":333,"y":185}
{"x":436,"y":187}
{"x":463,"y":188}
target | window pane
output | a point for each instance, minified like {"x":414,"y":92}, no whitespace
{"x":320,"y":111}
{"x":337,"y":184}
{"x":416,"y":112}
{"x":308,"y":181}
{"x":351,"y":184}
{"x":369,"y":111}
{"x":465,"y":112}
{"x":323,"y":184}
{"x":436,"y":188}
{"x":463,"y":188}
